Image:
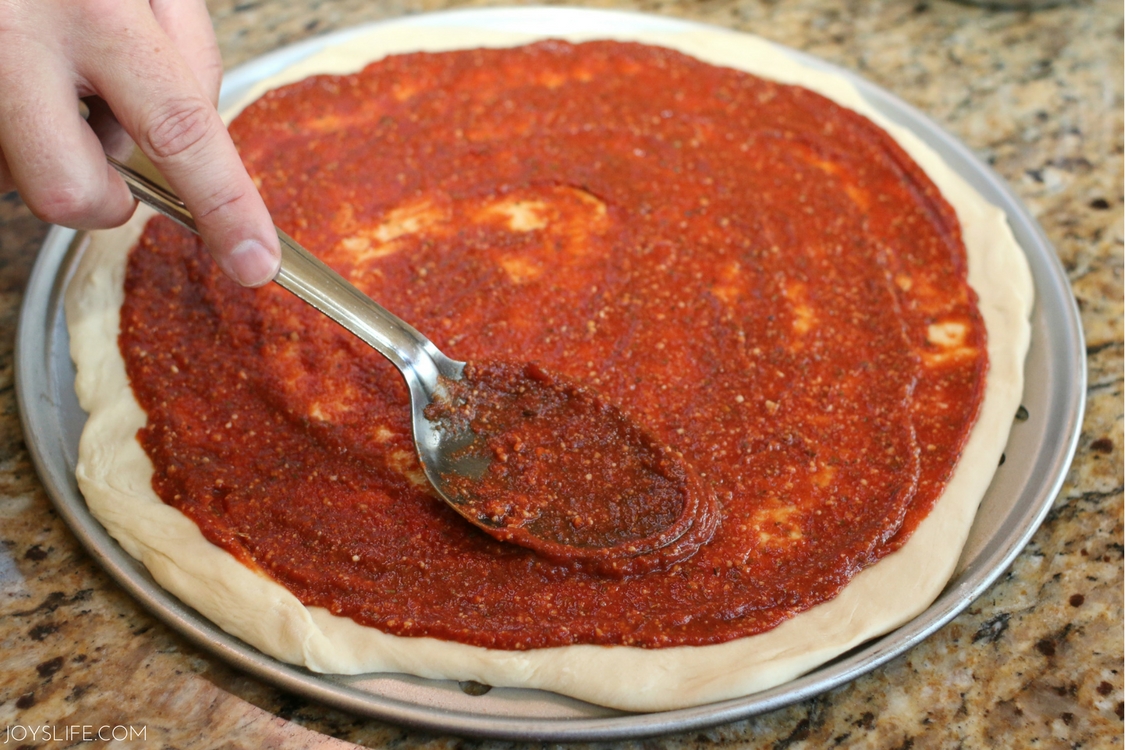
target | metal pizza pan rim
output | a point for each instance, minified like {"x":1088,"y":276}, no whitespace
{"x":1038,"y":454}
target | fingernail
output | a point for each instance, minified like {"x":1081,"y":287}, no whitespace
{"x":251,"y":264}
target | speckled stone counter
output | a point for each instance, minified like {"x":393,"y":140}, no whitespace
{"x":1034,"y":663}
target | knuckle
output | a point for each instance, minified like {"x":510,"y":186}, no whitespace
{"x":226,"y":198}
{"x":67,"y":203}
{"x":179,"y":127}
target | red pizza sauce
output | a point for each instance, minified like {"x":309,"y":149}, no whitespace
{"x":553,"y":467}
{"x":761,"y":279}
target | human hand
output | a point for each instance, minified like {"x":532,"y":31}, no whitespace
{"x":155,"y":69}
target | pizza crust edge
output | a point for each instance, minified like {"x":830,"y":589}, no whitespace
{"x":115,"y":475}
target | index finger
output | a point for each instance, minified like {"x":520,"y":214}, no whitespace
{"x":158,"y":100}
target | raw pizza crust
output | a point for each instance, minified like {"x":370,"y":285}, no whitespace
{"x":115,"y":475}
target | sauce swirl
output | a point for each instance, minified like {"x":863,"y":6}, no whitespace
{"x":761,"y":278}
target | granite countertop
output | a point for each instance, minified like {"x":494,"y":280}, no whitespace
{"x":1035,"y":662}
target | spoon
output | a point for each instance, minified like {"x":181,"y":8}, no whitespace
{"x":454,"y":459}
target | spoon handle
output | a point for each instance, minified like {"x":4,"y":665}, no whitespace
{"x":309,"y":278}
{"x":306,"y":276}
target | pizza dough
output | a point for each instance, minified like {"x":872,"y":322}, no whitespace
{"x":115,"y":474}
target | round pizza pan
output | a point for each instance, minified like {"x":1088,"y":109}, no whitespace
{"x":1042,"y":443}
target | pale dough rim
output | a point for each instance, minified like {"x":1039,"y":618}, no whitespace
{"x":115,"y":475}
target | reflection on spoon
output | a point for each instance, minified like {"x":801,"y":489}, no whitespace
{"x":548,"y":465}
